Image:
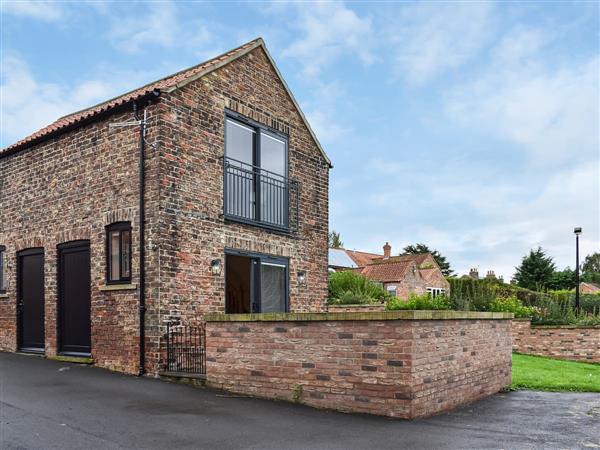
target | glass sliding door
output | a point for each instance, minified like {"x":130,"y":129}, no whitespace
{"x":255,"y":283}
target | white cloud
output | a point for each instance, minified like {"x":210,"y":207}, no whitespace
{"x":429,"y":38}
{"x":46,"y":11}
{"x":159,"y":25}
{"x":29,"y":104}
{"x":328,"y":30}
{"x":551,"y":110}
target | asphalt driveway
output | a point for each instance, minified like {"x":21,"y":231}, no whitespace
{"x":46,"y":404}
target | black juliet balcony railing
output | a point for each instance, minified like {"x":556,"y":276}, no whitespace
{"x":259,"y":197}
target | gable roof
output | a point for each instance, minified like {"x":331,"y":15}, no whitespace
{"x":394,"y":268}
{"x":361,"y":258}
{"x":591,"y":286}
{"x":418,"y":258}
{"x":166,"y":84}
{"x":387,"y":272}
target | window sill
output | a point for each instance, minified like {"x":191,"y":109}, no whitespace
{"x":118,"y":287}
{"x":3,"y":295}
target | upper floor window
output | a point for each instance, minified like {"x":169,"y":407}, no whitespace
{"x":118,"y":252}
{"x":257,"y":189}
{"x":2,"y":269}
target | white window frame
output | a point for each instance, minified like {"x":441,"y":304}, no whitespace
{"x":435,"y":291}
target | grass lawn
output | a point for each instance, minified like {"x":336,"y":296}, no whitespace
{"x":545,"y":374}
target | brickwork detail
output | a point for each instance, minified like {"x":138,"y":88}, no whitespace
{"x":73,"y":185}
{"x":397,"y":368}
{"x":562,"y":342}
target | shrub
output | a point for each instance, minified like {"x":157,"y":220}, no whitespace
{"x":352,"y":288}
{"x":425,"y":301}
{"x":513,"y":305}
{"x":589,"y":303}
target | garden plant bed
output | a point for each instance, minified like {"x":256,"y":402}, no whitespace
{"x":546,"y":374}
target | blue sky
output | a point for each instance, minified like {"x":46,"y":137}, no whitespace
{"x":470,"y":126}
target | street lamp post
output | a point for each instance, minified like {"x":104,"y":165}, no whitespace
{"x":577,"y":232}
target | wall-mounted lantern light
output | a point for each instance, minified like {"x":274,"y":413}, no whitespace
{"x":215,"y":267}
{"x":302,"y":277}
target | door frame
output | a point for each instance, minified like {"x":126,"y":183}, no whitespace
{"x":19,"y":313}
{"x":83,"y":243}
{"x":255,"y":288}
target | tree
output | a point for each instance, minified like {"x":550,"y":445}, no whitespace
{"x":441,"y":261}
{"x":591,"y":268}
{"x":562,"y":279}
{"x":536,"y":270}
{"x":334,"y":240}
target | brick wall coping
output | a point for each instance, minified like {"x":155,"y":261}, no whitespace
{"x":387,"y":315}
{"x":569,"y":327}
{"x":356,"y":305}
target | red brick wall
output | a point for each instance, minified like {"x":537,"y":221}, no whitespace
{"x":398,"y":368}
{"x":72,"y":186}
{"x":563,"y":342}
{"x":192,"y":228}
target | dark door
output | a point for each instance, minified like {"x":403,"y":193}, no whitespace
{"x":30,"y":300}
{"x":74,"y":304}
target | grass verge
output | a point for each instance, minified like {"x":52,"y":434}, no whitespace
{"x":546,"y":374}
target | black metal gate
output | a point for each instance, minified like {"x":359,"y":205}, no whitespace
{"x":185,"y":350}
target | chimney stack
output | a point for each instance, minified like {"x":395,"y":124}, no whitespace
{"x":490,"y":274}
{"x":474,"y":273}
{"x":387,"y":250}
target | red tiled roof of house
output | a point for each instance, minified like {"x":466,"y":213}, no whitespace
{"x":386,"y":272}
{"x":167,"y":83}
{"x":418,"y":258}
{"x":592,"y":287}
{"x":170,"y":81}
{"x":362,"y":258}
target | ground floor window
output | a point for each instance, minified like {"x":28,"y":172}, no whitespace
{"x":391,"y":289}
{"x":118,"y":252}
{"x":255,"y":283}
{"x":434,"y":292}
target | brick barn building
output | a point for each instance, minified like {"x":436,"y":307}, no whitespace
{"x":205,"y":191}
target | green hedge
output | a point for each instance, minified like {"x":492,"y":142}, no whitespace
{"x":425,"y":301}
{"x":552,"y":308}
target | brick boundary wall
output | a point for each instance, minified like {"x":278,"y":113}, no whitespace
{"x":562,"y":342}
{"x":404,"y":364}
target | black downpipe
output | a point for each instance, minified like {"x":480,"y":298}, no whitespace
{"x":142,"y":288}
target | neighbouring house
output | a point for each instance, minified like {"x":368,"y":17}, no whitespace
{"x":205,"y":191}
{"x":589,"y":288}
{"x":400,"y":275}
